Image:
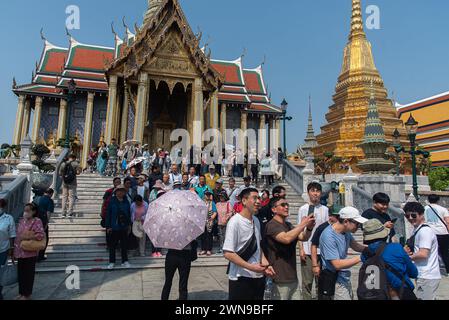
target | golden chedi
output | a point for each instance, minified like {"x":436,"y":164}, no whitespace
{"x":346,"y":119}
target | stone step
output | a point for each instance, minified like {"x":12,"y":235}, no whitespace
{"x":65,"y":227}
{"x":70,"y":246}
{"x":81,"y":233}
{"x":74,"y":240}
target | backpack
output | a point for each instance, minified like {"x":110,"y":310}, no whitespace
{"x":69,"y":174}
{"x":373,"y":283}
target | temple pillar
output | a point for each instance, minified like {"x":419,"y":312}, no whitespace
{"x":17,"y":138}
{"x":26,"y":118}
{"x":125,"y":112}
{"x":112,"y":108}
{"x":62,"y":118}
{"x":88,"y":129}
{"x":198,"y":115}
{"x":214,"y":111}
{"x":223,"y":123}
{"x":37,"y":119}
{"x":278,"y":133}
{"x":190,"y":112}
{"x":244,"y":127}
{"x":262,"y":135}
{"x":141,"y":107}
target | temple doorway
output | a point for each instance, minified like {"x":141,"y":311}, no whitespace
{"x":167,"y":112}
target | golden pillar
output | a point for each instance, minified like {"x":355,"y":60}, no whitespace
{"x":214,"y":111}
{"x":198,"y":115}
{"x":62,"y":118}
{"x":223,"y":123}
{"x":37,"y":120}
{"x":112,"y":108}
{"x":88,"y":129}
{"x":141,"y":107}
{"x":125,"y":111}
{"x":244,"y":127}
{"x":17,"y":138}
{"x":26,"y":118}
{"x":262,"y":134}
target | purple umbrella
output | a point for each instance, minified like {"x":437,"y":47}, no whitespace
{"x":176,"y":219}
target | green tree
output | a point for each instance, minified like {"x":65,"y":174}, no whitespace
{"x":439,"y":179}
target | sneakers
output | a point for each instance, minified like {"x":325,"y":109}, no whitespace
{"x":126,"y":265}
{"x":154,"y":255}
{"x":111,"y":266}
{"x":159,"y":255}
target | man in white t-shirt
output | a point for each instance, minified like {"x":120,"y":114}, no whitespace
{"x":246,"y":274}
{"x":423,"y":250}
{"x":437,"y":217}
{"x":321,"y":214}
{"x":175,"y":176}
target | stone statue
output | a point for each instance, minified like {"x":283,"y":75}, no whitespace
{"x":51,"y":141}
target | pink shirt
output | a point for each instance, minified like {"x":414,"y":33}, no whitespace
{"x":23,"y":226}
{"x":224,"y":212}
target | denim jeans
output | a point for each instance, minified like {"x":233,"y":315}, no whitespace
{"x":3,"y":259}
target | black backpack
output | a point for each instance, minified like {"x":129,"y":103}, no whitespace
{"x":69,"y":173}
{"x":373,"y":283}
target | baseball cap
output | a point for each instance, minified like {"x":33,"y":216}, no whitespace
{"x":220,"y":181}
{"x":353,"y":214}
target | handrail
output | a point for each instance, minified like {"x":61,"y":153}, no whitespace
{"x":56,"y":185}
{"x":293,"y":176}
{"x":367,"y":201}
{"x":14,"y":194}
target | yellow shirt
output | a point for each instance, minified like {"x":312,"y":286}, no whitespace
{"x":210,"y":181}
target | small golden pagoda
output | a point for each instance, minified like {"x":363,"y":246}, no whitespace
{"x":346,"y":119}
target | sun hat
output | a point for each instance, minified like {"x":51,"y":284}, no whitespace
{"x":220,"y":181}
{"x":374,"y":229}
{"x":212,"y":167}
{"x":158,"y":185}
{"x":353,"y":214}
{"x":138,"y":229}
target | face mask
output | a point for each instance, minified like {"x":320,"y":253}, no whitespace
{"x":27,"y":215}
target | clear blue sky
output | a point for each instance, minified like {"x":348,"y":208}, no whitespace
{"x":302,"y":40}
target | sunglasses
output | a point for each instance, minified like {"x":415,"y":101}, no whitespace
{"x":283,"y":205}
{"x":411,"y":215}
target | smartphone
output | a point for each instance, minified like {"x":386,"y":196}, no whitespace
{"x":311,"y":211}
{"x":394,"y":220}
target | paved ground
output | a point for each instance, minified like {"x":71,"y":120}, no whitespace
{"x":206,"y":283}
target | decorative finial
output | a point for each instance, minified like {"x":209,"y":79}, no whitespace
{"x":37,"y":66}
{"x":243,"y":53}
{"x":124,"y":23}
{"x":199,"y":36}
{"x":42,"y":35}
{"x":32,"y":76}
{"x":14,"y":83}
{"x":356,"y":20}
{"x":264,"y":61}
{"x":136,"y":28}
{"x":112,"y":29}
{"x":67,"y":32}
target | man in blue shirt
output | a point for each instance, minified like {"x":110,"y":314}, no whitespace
{"x":399,"y":266}
{"x":334,"y":244}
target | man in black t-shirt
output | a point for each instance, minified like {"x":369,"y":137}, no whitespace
{"x":381,"y":202}
{"x":281,"y":239}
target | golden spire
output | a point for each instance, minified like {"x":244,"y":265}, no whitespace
{"x":357,"y":20}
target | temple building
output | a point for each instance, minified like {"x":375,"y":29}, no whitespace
{"x":150,"y":82}
{"x":346,"y":118}
{"x":432,"y":114}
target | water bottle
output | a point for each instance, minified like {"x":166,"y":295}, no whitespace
{"x":268,"y":289}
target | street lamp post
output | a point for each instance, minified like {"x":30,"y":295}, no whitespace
{"x":71,"y":91}
{"x":284,"y":106}
{"x":397,"y":145}
{"x":412,"y":128}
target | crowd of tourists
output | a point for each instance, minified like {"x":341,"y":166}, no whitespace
{"x":110,"y":160}
{"x":251,"y":228}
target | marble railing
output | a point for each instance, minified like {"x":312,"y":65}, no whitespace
{"x":16,"y":196}
{"x":293,"y":176}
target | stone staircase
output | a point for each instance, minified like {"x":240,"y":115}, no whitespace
{"x":80,"y":240}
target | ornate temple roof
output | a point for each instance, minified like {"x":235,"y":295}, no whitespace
{"x":87,"y":64}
